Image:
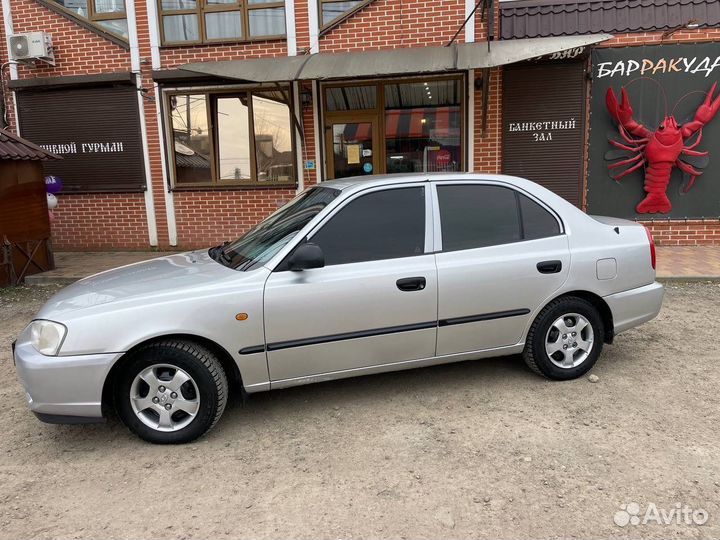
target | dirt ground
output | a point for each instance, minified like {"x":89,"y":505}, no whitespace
{"x":476,"y":449}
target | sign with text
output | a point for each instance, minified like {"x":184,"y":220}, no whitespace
{"x":654,"y":147}
{"x":543,"y":125}
{"x":96,"y":130}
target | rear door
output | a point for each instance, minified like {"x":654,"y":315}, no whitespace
{"x":500,"y":254}
{"x":374,"y":302}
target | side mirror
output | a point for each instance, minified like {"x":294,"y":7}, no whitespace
{"x":306,"y":256}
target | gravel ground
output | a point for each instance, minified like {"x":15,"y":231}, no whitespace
{"x":476,"y":449}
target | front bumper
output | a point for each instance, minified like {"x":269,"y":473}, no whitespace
{"x":63,"y":389}
{"x":636,"y":306}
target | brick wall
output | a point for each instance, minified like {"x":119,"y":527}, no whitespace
{"x":100,"y":222}
{"x":78,"y":51}
{"x":389,"y":24}
{"x":89,"y":221}
{"x":203,"y":217}
{"x":210,"y":217}
{"x":685,"y":232}
{"x":487,"y":151}
{"x":171,"y":57}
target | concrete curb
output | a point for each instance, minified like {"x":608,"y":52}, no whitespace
{"x":40,"y":280}
{"x":693,"y":279}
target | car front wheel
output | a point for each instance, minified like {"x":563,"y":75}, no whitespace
{"x":565,"y":340}
{"x":171,"y":392}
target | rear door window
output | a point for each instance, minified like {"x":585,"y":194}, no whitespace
{"x":474,"y":216}
{"x":477,"y":215}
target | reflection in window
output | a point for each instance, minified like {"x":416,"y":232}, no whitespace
{"x":107,"y":14}
{"x":273,"y":137}
{"x":181,"y":28}
{"x":233,"y":138}
{"x":223,"y":20}
{"x":250,"y":139}
{"x":333,"y":10}
{"x":109,"y":6}
{"x":267,"y":22}
{"x":422,"y":126}
{"x":223,"y":25}
{"x":351,"y":98}
{"x":191,"y":138}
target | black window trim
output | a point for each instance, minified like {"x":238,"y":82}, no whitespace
{"x":280,"y":265}
{"x":437,"y":225}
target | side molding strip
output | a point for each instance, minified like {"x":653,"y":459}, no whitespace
{"x":252,"y":350}
{"x":483,"y":317}
{"x":350,"y":335}
{"x":279,"y":345}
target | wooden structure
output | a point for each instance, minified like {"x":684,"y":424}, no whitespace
{"x":25,"y":243}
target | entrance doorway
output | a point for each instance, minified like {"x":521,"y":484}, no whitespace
{"x":352,"y":146}
{"x":394,"y":126}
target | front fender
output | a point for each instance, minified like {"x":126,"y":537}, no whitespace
{"x":211,"y":314}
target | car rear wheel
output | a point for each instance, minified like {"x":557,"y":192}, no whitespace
{"x":171,"y":392}
{"x":565,"y":340}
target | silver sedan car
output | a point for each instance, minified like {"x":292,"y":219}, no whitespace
{"x":352,"y":277}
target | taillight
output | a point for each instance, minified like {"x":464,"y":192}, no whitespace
{"x":652,"y":247}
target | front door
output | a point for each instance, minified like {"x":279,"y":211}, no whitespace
{"x":375,"y":300}
{"x":352,"y":146}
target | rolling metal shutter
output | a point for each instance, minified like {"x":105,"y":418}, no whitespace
{"x":544,"y":126}
{"x":95,"y":129}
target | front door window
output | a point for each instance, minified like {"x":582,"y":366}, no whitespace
{"x":387,"y":224}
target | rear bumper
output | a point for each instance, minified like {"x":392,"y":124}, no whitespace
{"x":63,"y":389}
{"x":636,"y":306}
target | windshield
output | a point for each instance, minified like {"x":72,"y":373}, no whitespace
{"x":262,"y":242}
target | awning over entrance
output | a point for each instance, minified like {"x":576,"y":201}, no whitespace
{"x":457,"y":57}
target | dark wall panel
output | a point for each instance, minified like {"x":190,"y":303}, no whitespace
{"x":660,"y":81}
{"x":96,"y":130}
{"x":543,"y":119}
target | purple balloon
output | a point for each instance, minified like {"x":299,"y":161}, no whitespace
{"x":53,"y":184}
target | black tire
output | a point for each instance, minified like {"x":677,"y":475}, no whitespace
{"x":207,"y":375}
{"x":535,"y":354}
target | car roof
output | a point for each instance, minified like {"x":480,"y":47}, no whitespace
{"x":358,"y":183}
{"x":404,"y":178}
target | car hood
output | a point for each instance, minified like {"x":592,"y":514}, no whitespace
{"x":173,"y":274}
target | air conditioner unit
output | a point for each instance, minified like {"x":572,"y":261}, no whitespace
{"x":32,"y":47}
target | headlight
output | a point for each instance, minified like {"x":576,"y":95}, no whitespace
{"x":47,"y":336}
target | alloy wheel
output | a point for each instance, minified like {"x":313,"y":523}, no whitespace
{"x":164,"y":397}
{"x":569,"y":340}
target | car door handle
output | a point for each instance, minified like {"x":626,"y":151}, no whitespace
{"x":411,"y":284}
{"x":549,"y":267}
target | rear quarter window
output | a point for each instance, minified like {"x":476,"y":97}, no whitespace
{"x":537,"y":222}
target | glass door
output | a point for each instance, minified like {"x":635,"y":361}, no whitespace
{"x":351,"y":145}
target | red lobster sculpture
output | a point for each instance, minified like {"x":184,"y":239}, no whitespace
{"x":658,"y":151}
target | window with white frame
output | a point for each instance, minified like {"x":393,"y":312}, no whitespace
{"x":109,"y":15}
{"x":211,"y":21}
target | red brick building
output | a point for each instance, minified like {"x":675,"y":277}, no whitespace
{"x":161,"y":156}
